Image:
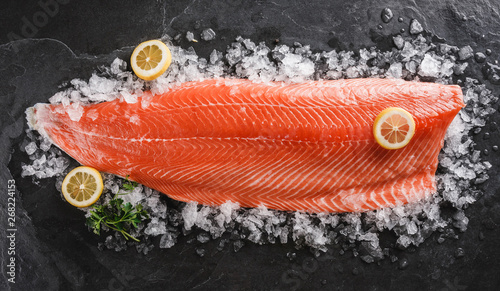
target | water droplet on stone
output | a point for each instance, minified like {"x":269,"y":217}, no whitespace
{"x":486,"y":152}
{"x":402,"y":30}
{"x":400,"y":19}
{"x":291,"y":256}
{"x":379,"y":26}
{"x":488,"y":52}
{"x":480,"y":57}
{"x":495,"y":148}
{"x":486,"y":135}
{"x":477,"y":130}
{"x":323,"y":282}
{"x":387,"y":15}
{"x":403,"y":264}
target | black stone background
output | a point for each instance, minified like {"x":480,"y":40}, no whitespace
{"x":54,"y":249}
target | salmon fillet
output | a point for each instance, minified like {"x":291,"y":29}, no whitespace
{"x":306,"y":146}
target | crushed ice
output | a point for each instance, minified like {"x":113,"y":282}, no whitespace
{"x":412,"y":58}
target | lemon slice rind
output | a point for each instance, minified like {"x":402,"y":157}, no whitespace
{"x":91,"y":189}
{"x":383,"y":117}
{"x":155,"y":64}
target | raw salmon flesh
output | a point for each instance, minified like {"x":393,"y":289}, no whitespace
{"x":306,"y":146}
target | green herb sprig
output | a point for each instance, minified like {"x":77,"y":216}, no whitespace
{"x":118,"y":216}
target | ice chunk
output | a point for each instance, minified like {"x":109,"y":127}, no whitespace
{"x":461,"y":221}
{"x":412,"y":228}
{"x":235,"y":54}
{"x":352,"y":72}
{"x":296,"y":67}
{"x":465,"y":53}
{"x":168,"y":240}
{"x":447,"y":68}
{"x":408,"y":51}
{"x":102,"y":85}
{"x":411,"y":66}
{"x":59,"y":97}
{"x":129,"y":98}
{"x":404,"y":241}
{"x":117,"y":66}
{"x":203,"y":220}
{"x":45,"y":145}
{"x":190,"y":37}
{"x":61,"y":164}
{"x":415,"y":27}
{"x":208,"y":34}
{"x":155,"y":227}
{"x":28,"y":170}
{"x":201,"y":252}
{"x":430,"y":67}
{"x":237,"y":245}
{"x":135,"y":196}
{"x":446,"y":48}
{"x":190,"y":214}
{"x":395,"y":70}
{"x":228,"y":209}
{"x":398,"y":41}
{"x":215,"y":57}
{"x":74,"y":111}
{"x":250,"y":45}
{"x":203,"y":237}
{"x":256,"y":66}
{"x":31,"y":148}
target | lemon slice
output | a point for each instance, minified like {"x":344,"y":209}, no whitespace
{"x":393,"y":128}
{"x":82,"y":186}
{"x":150,"y":59}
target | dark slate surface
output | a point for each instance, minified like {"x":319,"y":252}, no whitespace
{"x":44,"y":43}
